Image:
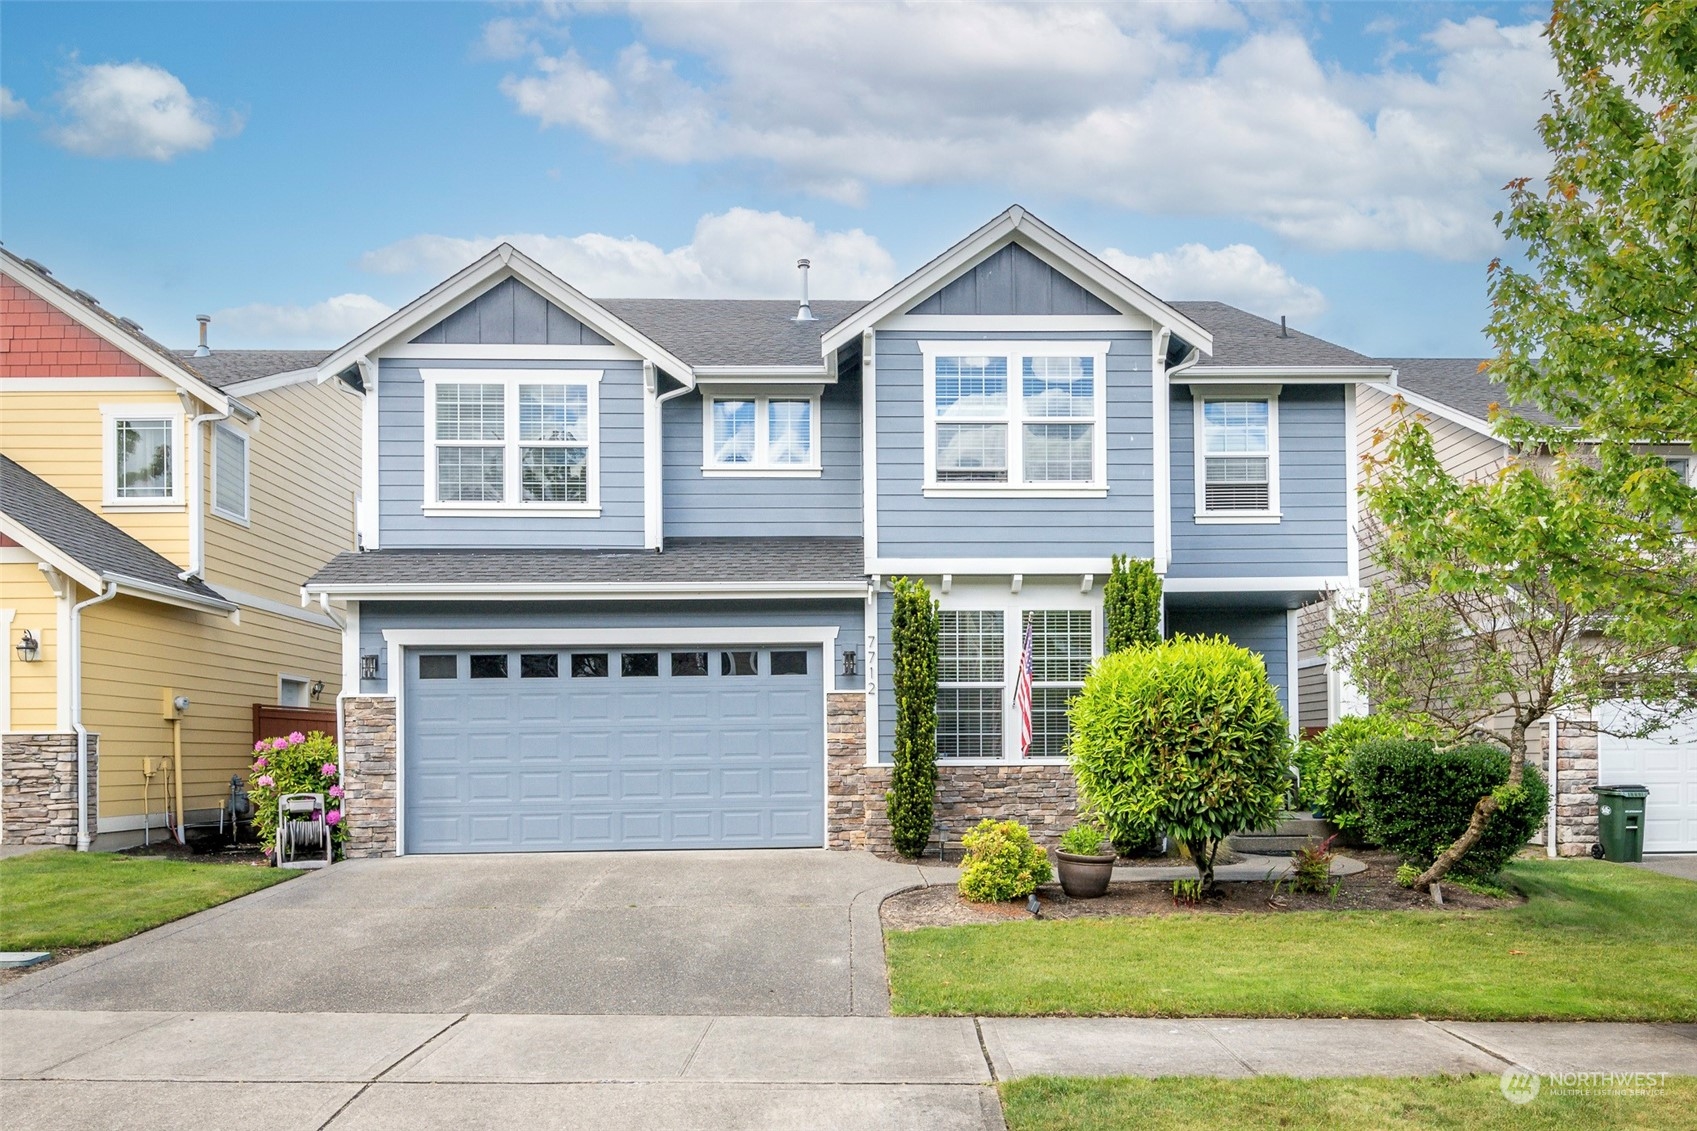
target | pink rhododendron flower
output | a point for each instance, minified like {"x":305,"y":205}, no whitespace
{"x":261,"y":762}
{"x":280,"y":744}
{"x":266,"y":781}
{"x":260,"y":745}
{"x":328,"y":769}
{"x":333,"y":818}
{"x":335,"y":791}
{"x":296,"y":736}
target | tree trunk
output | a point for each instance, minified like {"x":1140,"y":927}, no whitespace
{"x":1481,"y":813}
{"x":1202,"y":855}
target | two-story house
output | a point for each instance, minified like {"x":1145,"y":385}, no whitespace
{"x":159,"y":510}
{"x":625,"y":565}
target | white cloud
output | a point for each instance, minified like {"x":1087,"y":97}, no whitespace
{"x":1121,"y":104}
{"x":323,"y":324}
{"x":135,"y":110}
{"x":740,"y":253}
{"x":11,"y":106}
{"x":1237,"y":274}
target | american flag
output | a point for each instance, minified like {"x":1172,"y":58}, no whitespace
{"x":1022,"y":696}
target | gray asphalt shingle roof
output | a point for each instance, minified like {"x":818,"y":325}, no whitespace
{"x":1242,"y":338}
{"x":84,"y":536}
{"x":712,"y":331}
{"x":1458,"y":383}
{"x":222,"y":368}
{"x":749,"y":560}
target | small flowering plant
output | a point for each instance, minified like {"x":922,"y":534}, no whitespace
{"x":297,"y":763}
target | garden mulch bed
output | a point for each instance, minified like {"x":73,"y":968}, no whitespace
{"x":1373,"y":890}
{"x":219,"y":854}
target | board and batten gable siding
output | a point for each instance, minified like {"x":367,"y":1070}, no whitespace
{"x":612,"y":617}
{"x":401,"y":466}
{"x":913,"y":526}
{"x":1012,"y":281}
{"x":782,"y":506}
{"x":1312,"y":537}
{"x":508,"y":314}
{"x":1263,"y":631}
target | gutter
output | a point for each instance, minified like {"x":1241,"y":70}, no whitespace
{"x":610,"y":590}
{"x":75,"y":692}
{"x":164,"y":593}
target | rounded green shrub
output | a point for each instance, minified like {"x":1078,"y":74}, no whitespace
{"x":1002,"y":862}
{"x":1406,"y":874}
{"x":1084,"y":840}
{"x":1328,"y":786}
{"x":1418,"y":798}
{"x":1186,"y":738}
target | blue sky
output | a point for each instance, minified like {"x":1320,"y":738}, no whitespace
{"x":299,"y":169}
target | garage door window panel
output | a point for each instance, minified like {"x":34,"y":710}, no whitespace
{"x":589,"y":665}
{"x":438,"y":667}
{"x":789,"y":663}
{"x":488,"y":665}
{"x":539,"y":665}
{"x":639,"y":665}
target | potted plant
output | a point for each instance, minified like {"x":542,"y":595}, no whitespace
{"x":1085,"y":870}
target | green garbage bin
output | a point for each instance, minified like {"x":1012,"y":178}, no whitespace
{"x":1620,"y":821}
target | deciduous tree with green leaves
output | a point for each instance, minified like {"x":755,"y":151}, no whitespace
{"x":1131,"y":604}
{"x":913,"y":779}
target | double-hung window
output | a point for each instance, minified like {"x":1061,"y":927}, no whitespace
{"x":761,"y":433}
{"x":1061,"y":652}
{"x":520,"y":439}
{"x":1015,"y":417}
{"x":978,"y":668}
{"x":971,"y":682}
{"x":1237,"y":464}
{"x":143,"y":458}
{"x":229,"y":473}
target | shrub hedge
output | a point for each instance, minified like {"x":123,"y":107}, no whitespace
{"x":1418,"y":798}
{"x":1328,"y":786}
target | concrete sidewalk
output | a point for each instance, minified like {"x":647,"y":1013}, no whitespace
{"x":91,"y":1070}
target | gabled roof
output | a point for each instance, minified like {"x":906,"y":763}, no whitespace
{"x":122,"y":333}
{"x":502,"y":263}
{"x":1244,"y":340}
{"x":733,"y":332}
{"x":69,"y":536}
{"x":1019,"y":226}
{"x":224,"y":368}
{"x":1458,"y":383}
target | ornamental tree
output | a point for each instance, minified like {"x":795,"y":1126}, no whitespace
{"x":913,"y":780}
{"x":1131,"y":604}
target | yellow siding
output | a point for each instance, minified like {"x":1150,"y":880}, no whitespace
{"x":59,"y":437}
{"x":133,"y":650}
{"x":35,"y":702}
{"x":303,"y":474}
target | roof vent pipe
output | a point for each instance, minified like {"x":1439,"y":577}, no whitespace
{"x":1284,"y":331}
{"x":201,"y":350}
{"x":805,"y":312}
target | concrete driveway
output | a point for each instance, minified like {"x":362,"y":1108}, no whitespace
{"x":779,"y":932}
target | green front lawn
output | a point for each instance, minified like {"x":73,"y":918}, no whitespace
{"x":1594,"y":941}
{"x":55,"y":899}
{"x":1429,"y":1103}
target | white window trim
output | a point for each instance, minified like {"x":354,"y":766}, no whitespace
{"x":242,"y":519}
{"x":761,"y":468}
{"x":1013,"y":607}
{"x":1272,"y":515}
{"x":1016,"y":419}
{"x":110,"y":414}
{"x":306,"y":683}
{"x":510,"y":443}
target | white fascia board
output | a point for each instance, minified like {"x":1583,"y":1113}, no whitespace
{"x":151,"y":591}
{"x":1442,"y":411}
{"x":1285,"y":374}
{"x":766,"y":374}
{"x":635,"y":637}
{"x":46,"y":551}
{"x":164,"y":364}
{"x":609,"y":591}
{"x":989,"y":567}
{"x":1047,"y":244}
{"x":274,"y":381}
{"x":500,"y":264}
{"x":1256,"y":584}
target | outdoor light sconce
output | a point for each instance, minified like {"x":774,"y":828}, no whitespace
{"x":849,"y":659}
{"x":29,"y":648}
{"x":317,"y":688}
{"x":368,"y":666}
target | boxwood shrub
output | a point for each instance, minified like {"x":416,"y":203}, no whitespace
{"x":1002,"y":862}
{"x":1417,"y":798}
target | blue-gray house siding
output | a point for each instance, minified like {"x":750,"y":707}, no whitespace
{"x":913,"y":526}
{"x":1312,"y":537}
{"x":401,"y":467}
{"x":1260,"y":630}
{"x":510,"y":313}
{"x":702,"y":506}
{"x":1012,"y":281}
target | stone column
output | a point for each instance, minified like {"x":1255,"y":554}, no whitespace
{"x":368,"y":777}
{"x":1576,"y":776}
{"x":38,"y":787}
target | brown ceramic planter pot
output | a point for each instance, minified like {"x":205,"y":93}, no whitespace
{"x":1084,"y":877}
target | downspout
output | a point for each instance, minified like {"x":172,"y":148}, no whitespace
{"x":197,"y":477}
{"x":1555,"y":792}
{"x":75,"y":692}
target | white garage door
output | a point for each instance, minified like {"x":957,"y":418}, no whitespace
{"x":1665,"y":764}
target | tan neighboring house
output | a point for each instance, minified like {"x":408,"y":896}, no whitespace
{"x":159,"y":511}
{"x":1455,"y":402}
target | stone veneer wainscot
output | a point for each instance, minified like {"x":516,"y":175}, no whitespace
{"x":38,"y":788}
{"x":368,"y":775}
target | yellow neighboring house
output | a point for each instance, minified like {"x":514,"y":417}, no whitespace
{"x":159,"y":511}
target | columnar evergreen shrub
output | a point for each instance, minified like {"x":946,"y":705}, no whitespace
{"x":1328,"y":786}
{"x":913,"y":780}
{"x":1418,"y":798}
{"x":1131,"y":604}
{"x":1186,"y":737}
{"x":299,"y":763}
{"x":1002,"y":862}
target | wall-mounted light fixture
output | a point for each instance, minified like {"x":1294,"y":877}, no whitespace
{"x":368,"y":666}
{"x":849,"y":661}
{"x":29,"y":647}
{"x":316,"y":689}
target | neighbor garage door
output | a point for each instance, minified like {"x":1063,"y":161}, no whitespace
{"x":607,"y":748}
{"x":1666,"y":763}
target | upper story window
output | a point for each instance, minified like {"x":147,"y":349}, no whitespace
{"x":1016,"y":418}
{"x":229,"y":474}
{"x":1237,"y":458}
{"x":518,"y":439}
{"x":761,"y":433}
{"x":143,"y":457}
